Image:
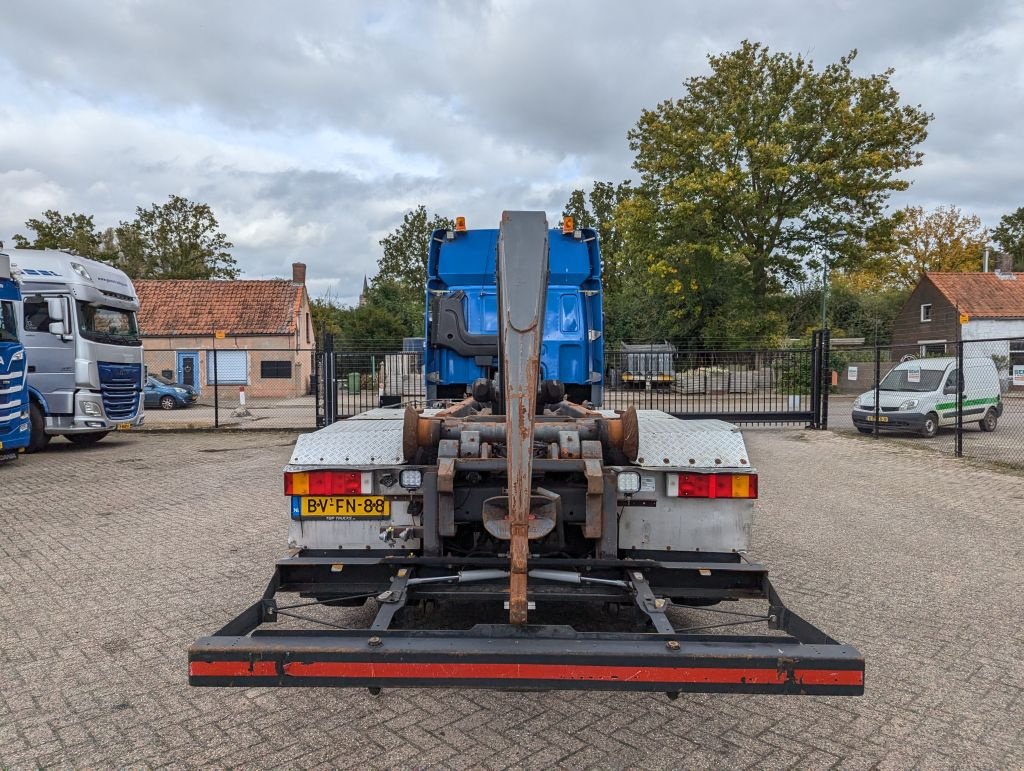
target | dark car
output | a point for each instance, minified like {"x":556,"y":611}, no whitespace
{"x":166,"y":394}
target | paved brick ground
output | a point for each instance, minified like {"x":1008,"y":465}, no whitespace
{"x":913,"y":557}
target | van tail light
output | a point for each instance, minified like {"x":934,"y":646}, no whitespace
{"x":711,"y":485}
{"x":328,"y":482}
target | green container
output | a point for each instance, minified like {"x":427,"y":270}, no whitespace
{"x":353,"y":382}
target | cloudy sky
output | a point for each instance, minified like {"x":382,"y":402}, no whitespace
{"x":311,"y":127}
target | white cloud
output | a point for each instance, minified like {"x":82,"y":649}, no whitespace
{"x":310,"y":129}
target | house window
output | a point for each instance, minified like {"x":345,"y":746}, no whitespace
{"x":278,"y":369}
{"x":932,"y":347}
{"x":232,"y":367}
{"x":309,"y":330}
{"x":926,"y":312}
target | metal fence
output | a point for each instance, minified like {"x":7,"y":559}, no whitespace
{"x":980,"y":415}
{"x":743,"y":386}
{"x":225,"y":385}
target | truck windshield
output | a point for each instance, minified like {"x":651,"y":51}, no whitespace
{"x":104,"y":324}
{"x":912,"y":380}
{"x":8,"y":330}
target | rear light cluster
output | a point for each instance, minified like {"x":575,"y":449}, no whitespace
{"x":712,"y":485}
{"x":328,"y":483}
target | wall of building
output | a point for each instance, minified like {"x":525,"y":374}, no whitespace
{"x":909,"y":330}
{"x":161,"y":357}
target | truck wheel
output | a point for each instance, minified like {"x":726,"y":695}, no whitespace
{"x":988,"y":423}
{"x":167,"y":403}
{"x":84,"y":440}
{"x":37,"y":425}
{"x":931,"y":425}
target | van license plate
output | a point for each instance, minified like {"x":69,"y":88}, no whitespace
{"x":124,"y":426}
{"x":345,"y":507}
{"x":881,"y":418}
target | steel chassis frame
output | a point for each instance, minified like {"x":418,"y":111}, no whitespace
{"x":246,"y":653}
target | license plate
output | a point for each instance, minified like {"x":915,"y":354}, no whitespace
{"x":881,"y":418}
{"x":124,"y":426}
{"x":343,"y":507}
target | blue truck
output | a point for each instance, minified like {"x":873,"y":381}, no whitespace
{"x":462,"y":312}
{"x":14,"y":423}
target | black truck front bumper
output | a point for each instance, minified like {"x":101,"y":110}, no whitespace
{"x":797,"y":659}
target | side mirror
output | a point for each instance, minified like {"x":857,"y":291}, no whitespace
{"x":58,"y":320}
{"x":55,"y":309}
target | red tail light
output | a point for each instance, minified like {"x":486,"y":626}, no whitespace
{"x":327,"y":483}
{"x":712,"y":485}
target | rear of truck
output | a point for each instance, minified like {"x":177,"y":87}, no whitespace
{"x":518,"y":538}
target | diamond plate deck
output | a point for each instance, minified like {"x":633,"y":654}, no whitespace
{"x":668,"y":443}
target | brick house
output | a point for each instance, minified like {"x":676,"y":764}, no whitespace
{"x":994,"y":306}
{"x":260,"y":331}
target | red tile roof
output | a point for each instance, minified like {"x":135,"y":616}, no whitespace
{"x":185,"y":308}
{"x":983,"y":295}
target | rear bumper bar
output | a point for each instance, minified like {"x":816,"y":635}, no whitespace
{"x":798,"y":659}
{"x":532,"y":659}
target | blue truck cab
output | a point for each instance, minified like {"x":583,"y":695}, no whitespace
{"x":461,"y":343}
{"x":14,"y":423}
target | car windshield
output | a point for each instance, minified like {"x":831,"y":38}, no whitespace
{"x":8,"y":328}
{"x":917,"y":380}
{"x":104,"y":324}
{"x":162,"y":379}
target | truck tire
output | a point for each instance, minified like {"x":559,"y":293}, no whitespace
{"x":84,"y":440}
{"x":38,"y":438}
{"x":988,"y":423}
{"x":931,"y":425}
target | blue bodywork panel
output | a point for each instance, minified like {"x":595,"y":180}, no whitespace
{"x":14,"y":426}
{"x":573,"y":344}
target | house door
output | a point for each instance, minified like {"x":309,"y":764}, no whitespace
{"x":188,"y":367}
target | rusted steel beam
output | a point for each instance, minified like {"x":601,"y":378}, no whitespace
{"x":522,"y":278}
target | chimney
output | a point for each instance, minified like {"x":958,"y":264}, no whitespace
{"x":1004,"y":262}
{"x":299,"y":273}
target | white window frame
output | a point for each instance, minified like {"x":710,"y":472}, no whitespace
{"x":922,"y":344}
{"x":221,"y":381}
{"x":925,"y":320}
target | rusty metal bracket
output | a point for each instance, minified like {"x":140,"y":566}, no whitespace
{"x":654,"y":607}
{"x":594,"y":473}
{"x":392,"y":600}
{"x":446,"y":497}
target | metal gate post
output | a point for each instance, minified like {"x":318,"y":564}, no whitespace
{"x":878,"y":382}
{"x":826,"y":371}
{"x":815,"y":380}
{"x":959,"y":395}
{"x":330,"y":386}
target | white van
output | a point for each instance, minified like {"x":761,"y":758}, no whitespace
{"x":920,"y":395}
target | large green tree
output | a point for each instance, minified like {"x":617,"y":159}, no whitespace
{"x":74,"y":232}
{"x":766,"y":164}
{"x":399,"y":287}
{"x":1009,"y":236}
{"x":177,"y":239}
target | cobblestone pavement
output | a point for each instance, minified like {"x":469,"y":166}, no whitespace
{"x":913,"y":557}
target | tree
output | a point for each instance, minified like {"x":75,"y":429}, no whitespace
{"x":404,"y":261}
{"x":1009,"y":236}
{"x":766,"y":164}
{"x":943,"y":240}
{"x":73,"y":232}
{"x":399,"y":288}
{"x":178,"y":239}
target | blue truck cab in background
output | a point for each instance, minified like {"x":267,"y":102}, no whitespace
{"x":14,"y":423}
{"x":462,"y":313}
